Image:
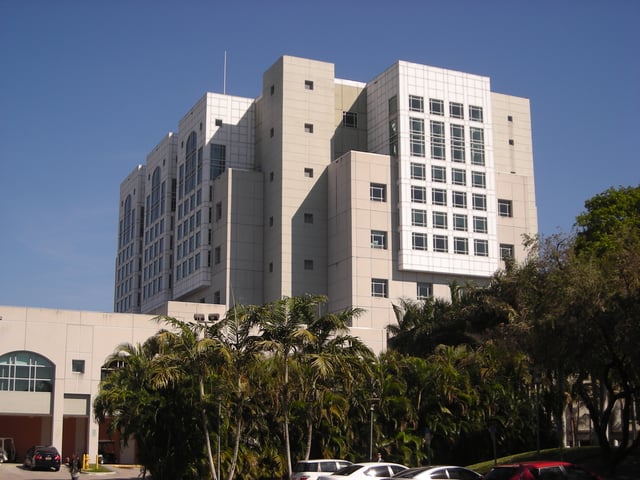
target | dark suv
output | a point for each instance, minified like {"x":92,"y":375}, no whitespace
{"x":542,"y":470}
{"x":40,"y":457}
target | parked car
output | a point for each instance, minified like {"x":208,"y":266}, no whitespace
{"x":365,"y":470}
{"x":540,"y":470}
{"x":312,"y":469}
{"x":40,"y":457}
{"x":437,"y":473}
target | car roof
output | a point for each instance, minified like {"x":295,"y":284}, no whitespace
{"x":318,"y":460}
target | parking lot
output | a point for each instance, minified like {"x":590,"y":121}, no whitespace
{"x":14,"y":471}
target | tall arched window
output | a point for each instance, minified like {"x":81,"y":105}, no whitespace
{"x":155,"y":195}
{"x":190,"y":163}
{"x":23,"y":371}
{"x":127,"y":222}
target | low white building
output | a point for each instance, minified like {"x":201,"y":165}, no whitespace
{"x":50,"y":369}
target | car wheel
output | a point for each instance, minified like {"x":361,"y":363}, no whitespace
{"x":57,"y":469}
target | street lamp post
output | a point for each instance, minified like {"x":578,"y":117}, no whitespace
{"x":537,"y":381}
{"x":371,"y":408}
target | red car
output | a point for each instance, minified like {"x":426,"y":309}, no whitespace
{"x":541,"y":470}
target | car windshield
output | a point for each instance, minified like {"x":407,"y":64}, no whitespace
{"x":305,"y":467}
{"x":348,"y":470}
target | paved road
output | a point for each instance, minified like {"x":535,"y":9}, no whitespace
{"x":13,"y":471}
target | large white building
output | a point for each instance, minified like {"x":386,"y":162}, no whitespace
{"x":364,"y":192}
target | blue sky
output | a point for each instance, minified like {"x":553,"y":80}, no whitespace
{"x":88,"y":88}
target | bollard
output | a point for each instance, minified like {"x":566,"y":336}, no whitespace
{"x":85,"y":461}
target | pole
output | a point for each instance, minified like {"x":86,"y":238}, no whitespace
{"x":218,"y":449}
{"x":371,"y":434}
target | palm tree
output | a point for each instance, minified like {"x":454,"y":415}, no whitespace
{"x":188,"y":353}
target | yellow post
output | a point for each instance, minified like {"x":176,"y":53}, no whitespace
{"x":85,"y":461}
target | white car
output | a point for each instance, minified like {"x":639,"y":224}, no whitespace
{"x":312,"y":469}
{"x":365,"y":470}
{"x":442,"y":472}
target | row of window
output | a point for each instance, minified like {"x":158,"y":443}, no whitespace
{"x":436,"y":107}
{"x":457,"y":142}
{"x":439,"y":175}
{"x":439,"y":197}
{"x":380,"y":288}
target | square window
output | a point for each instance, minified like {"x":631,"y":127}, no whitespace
{"x":308,"y":264}
{"x":438,"y":196}
{"x":511,"y":142}
{"x":439,"y":220}
{"x":461,"y":246}
{"x":440,"y":243}
{"x":308,"y":172}
{"x":475,"y":113}
{"x":478,"y":179}
{"x":418,"y":171}
{"x":308,"y":127}
{"x":481,"y":247}
{"x":379,"y":287}
{"x":350,"y":119}
{"x":308,"y":85}
{"x":436,"y":107}
{"x":458,"y":176}
{"x":438,"y":174}
{"x":505,"y":208}
{"x":509,"y":118}
{"x":378,"y":192}
{"x":77,"y":366}
{"x":218,"y":122}
{"x":460,"y":222}
{"x":378,"y":239}
{"x":456,"y":110}
{"x":479,"y":201}
{"x":506,"y":251}
{"x":416,"y":103}
{"x":419,"y":241}
{"x":418,"y":194}
{"x":459,"y":199}
{"x":480,"y":225}
{"x":308,"y":218}
{"x":424,"y":290}
{"x":418,"y":217}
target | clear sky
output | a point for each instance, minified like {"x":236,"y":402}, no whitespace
{"x":88,"y":88}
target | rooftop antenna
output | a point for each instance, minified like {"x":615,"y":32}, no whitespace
{"x":224,"y":82}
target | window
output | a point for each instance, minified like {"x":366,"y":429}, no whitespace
{"x":217,"y":297}
{"x":505,"y":208}
{"x":379,"y":288}
{"x":419,"y":241}
{"x":461,"y":245}
{"x":77,"y":366}
{"x":506,"y":251}
{"x":308,"y":218}
{"x":440,"y":243}
{"x":271,"y":176}
{"x":308,"y":127}
{"x":481,"y":248}
{"x":437,"y":140}
{"x":460,"y":222}
{"x":378,"y":239}
{"x":24,"y":371}
{"x":271,"y":221}
{"x":272,"y":90}
{"x":480,"y":224}
{"x":350,"y":119}
{"x":308,"y":85}
{"x":218,"y":122}
{"x":308,"y":264}
{"x":218,"y":211}
{"x":438,"y":174}
{"x":439,"y":220}
{"x":393,"y":105}
{"x":424,"y":290}
{"x":418,"y":171}
{"x":218,"y":159}
{"x":418,"y":194}
{"x":459,"y":177}
{"x":308,"y":172}
{"x":418,"y":217}
{"x":459,"y":199}
{"x":271,"y":267}
{"x":475,"y":113}
{"x":436,"y":107}
{"x":478,"y":179}
{"x":438,"y":196}
{"x":479,"y":201}
{"x":457,"y":143}
{"x":378,"y":192}
{"x":416,"y":136}
{"x":416,"y":103}
{"x":509,"y":118}
{"x":217,"y":255}
{"x":393,"y":137}
{"x":511,"y":142}
{"x":456,"y":110}
{"x":477,"y":145}
{"x":272,"y":132}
